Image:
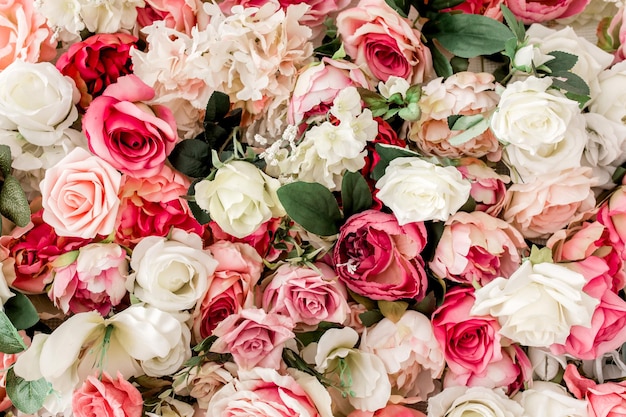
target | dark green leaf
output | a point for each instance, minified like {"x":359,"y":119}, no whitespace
{"x":27,"y":396}
{"x":445,"y":4}
{"x":13,"y":202}
{"x":215,"y":135}
{"x":440,"y":62}
{"x":21,"y":311}
{"x":232,"y":119}
{"x":516,"y":26}
{"x":459,"y":64}
{"x":561,"y":62}
{"x":370,"y":317}
{"x":313,"y":336}
{"x":570,"y":82}
{"x":581,"y":99}
{"x":311,"y":205}
{"x":400,"y":6}
{"x":192,"y":157}
{"x":217,"y":107}
{"x":469,"y":35}
{"x":329,"y":48}
{"x":618,"y":175}
{"x":5,"y":160}
{"x":10,"y":340}
{"x":387,"y":154}
{"x":355,"y":194}
{"x":200,"y":215}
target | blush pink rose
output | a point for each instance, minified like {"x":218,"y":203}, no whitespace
{"x":547,"y":204}
{"x":307,"y":295}
{"x":376,"y":37}
{"x":529,"y":11}
{"x":126,"y":132}
{"x":97,"y":62}
{"x":488,"y":187}
{"x":107,"y":397}
{"x":238,"y":270}
{"x":80,"y":195}
{"x":152,"y":206}
{"x":25,"y":34}
{"x":476,"y":247}
{"x":181,"y":15}
{"x":603,"y":400}
{"x":254,"y":338}
{"x":377,"y":258}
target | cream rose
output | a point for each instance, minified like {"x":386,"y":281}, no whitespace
{"x":538,"y":304}
{"x":550,"y":399}
{"x":475,"y":401}
{"x":610,"y":101}
{"x":171,"y":274}
{"x":417,"y":190}
{"x":240,"y":198}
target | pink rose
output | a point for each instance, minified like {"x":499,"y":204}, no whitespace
{"x":612,"y":214}
{"x":603,"y":400}
{"x":377,"y":258}
{"x":126,"y":132}
{"x":392,"y":410}
{"x":107,"y":397}
{"x":25,"y":34}
{"x":6,"y":361}
{"x":476,"y":247}
{"x":254,"y":338}
{"x":181,"y":15}
{"x":29,"y":251}
{"x":307,"y":295}
{"x":545,"y":10}
{"x":488,"y":187}
{"x":97,"y":62}
{"x":489,"y":8}
{"x":238,"y":270}
{"x":96,"y":280}
{"x":540,"y":208}
{"x":80,"y":195}
{"x":152,"y":206}
{"x":377,"y":37}
{"x":318,"y":84}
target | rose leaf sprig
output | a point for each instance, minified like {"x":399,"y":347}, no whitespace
{"x":13,"y":201}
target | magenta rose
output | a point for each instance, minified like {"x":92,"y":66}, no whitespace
{"x":476,"y":247}
{"x":238,"y":270}
{"x":530,"y":11}
{"x":97,"y":62}
{"x":307,"y":295}
{"x":603,"y":400}
{"x":254,"y":338}
{"x":126,"y":132}
{"x":376,"y":37}
{"x":105,"y":396}
{"x":377,"y":258}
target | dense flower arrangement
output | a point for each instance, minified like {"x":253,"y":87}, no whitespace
{"x":323,"y":208}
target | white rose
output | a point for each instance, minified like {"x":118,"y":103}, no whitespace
{"x":611,"y":100}
{"x":605,"y":149}
{"x":171,"y":274}
{"x":546,"y":365}
{"x":609,"y":366}
{"x":416,"y":190}
{"x":109,"y":16}
{"x":477,"y":401}
{"x":240,"y":198}
{"x":550,"y":399}
{"x":171,"y":362}
{"x":38,"y":101}
{"x":538,"y":304}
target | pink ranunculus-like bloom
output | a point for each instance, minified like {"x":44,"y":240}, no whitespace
{"x":391,"y":410}
{"x":95,"y":281}
{"x":254,"y":338}
{"x":543,"y":11}
{"x":376,"y":37}
{"x":547,"y":204}
{"x":476,"y":247}
{"x":612,"y":214}
{"x":97,"y":62}
{"x":466,"y":94}
{"x":25,"y":34}
{"x":238,"y":270}
{"x":307,"y":295}
{"x":489,"y":8}
{"x":262,"y":239}
{"x":126,"y":132}
{"x":29,"y":251}
{"x":488,"y":187}
{"x":181,"y":15}
{"x":107,"y":397}
{"x":377,"y":258}
{"x":603,"y":400}
{"x":6,"y":361}
{"x":153,"y":205}
{"x":80,"y":195}
{"x":318,"y":84}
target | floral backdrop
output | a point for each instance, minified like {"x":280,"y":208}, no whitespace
{"x":331,"y":208}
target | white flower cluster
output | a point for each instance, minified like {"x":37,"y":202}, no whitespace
{"x":328,"y":149}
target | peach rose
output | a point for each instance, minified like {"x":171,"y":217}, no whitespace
{"x":107,"y":397}
{"x":80,"y":195}
{"x":25,"y":34}
{"x":540,"y":208}
{"x":488,"y":187}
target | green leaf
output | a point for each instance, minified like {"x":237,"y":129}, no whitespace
{"x":516,"y":26}
{"x":387,"y":154}
{"x":539,"y":256}
{"x":618,"y":174}
{"x":21,"y":311}
{"x":13,"y":202}
{"x":442,"y":66}
{"x":466,"y":122}
{"x":311,"y":205}
{"x":364,"y":301}
{"x":468,"y":35}
{"x":5,"y":160}
{"x":192,"y":157}
{"x":459,"y":64}
{"x":561,"y":62}
{"x":201,"y":216}
{"x":476,"y":126}
{"x":393,"y":310}
{"x":400,"y":6}
{"x":445,"y":4}
{"x":217,"y":107}
{"x":370,"y":317}
{"x":27,"y":396}
{"x":10,"y":340}
{"x":570,"y":82}
{"x":355,"y":194}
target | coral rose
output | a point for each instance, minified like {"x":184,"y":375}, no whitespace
{"x":107,"y":397}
